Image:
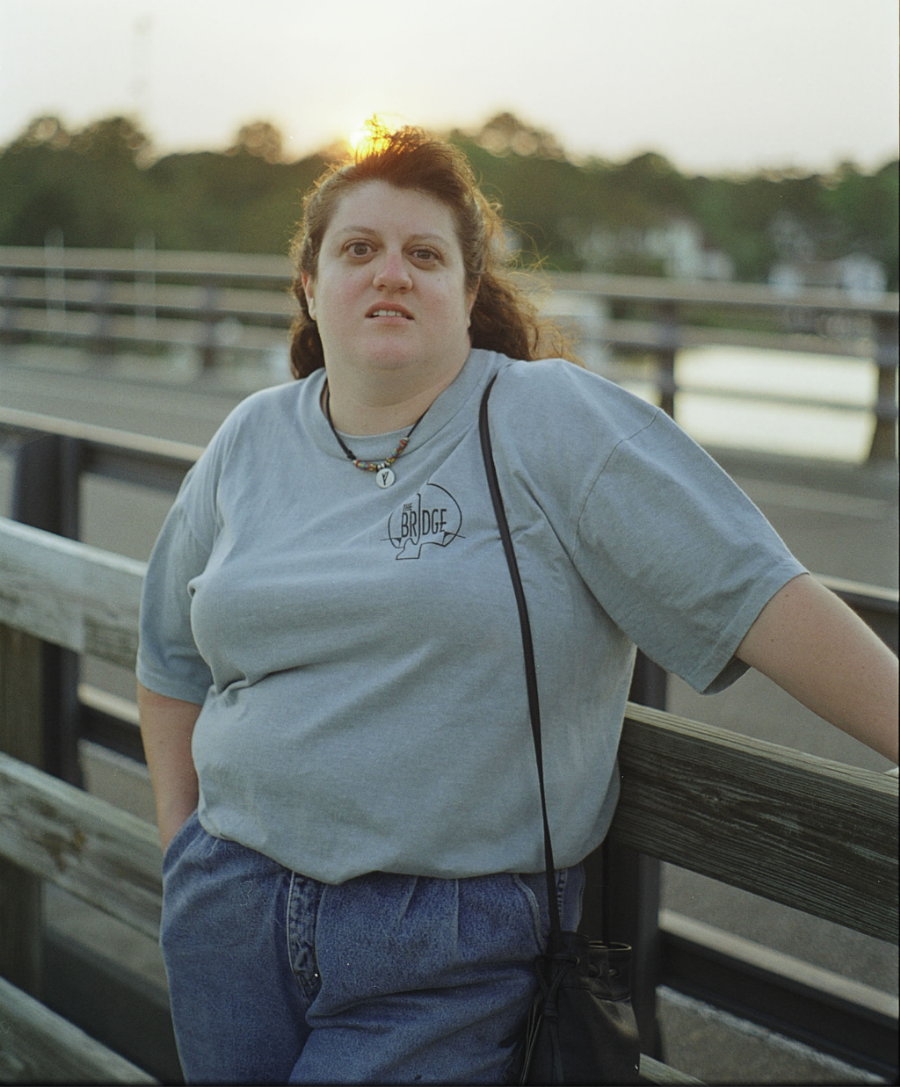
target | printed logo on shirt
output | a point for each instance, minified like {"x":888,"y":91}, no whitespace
{"x":432,"y":516}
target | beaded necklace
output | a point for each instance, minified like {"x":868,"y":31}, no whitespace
{"x":384,"y":476}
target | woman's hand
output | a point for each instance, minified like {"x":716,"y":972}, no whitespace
{"x":810,"y":643}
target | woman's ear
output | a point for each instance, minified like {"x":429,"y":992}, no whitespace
{"x":309,"y":291}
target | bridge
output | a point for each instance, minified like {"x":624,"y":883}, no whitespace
{"x":96,"y":435}
{"x":222,"y":306}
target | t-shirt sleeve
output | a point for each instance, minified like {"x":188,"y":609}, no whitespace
{"x":677,"y":554}
{"x":168,"y":660}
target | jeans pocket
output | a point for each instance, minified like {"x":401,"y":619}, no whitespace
{"x":540,"y":922}
{"x":568,"y":883}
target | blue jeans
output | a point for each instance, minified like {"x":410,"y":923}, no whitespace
{"x":386,"y":979}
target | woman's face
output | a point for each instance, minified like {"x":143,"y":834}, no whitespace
{"x":389,"y":289}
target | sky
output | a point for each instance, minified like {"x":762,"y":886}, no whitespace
{"x":715,"y":85}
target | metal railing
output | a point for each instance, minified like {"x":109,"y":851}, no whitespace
{"x":219,"y":304}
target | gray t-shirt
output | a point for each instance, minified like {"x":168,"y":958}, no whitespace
{"x":357,"y":652}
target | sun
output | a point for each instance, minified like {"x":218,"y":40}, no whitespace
{"x":357,"y":140}
{"x":371,"y":136}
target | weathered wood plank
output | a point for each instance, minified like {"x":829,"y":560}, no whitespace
{"x":92,"y":849}
{"x":69,"y":593}
{"x":807,"y":832}
{"x":653,"y":1071}
{"x":815,"y":835}
{"x":38,"y":1046}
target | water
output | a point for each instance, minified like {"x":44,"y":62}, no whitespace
{"x":830,"y":433}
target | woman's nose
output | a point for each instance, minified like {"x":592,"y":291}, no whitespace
{"x":392,"y":273}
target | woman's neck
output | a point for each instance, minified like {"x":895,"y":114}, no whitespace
{"x":380,"y":406}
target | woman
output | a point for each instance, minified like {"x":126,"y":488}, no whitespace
{"x":330,"y":676}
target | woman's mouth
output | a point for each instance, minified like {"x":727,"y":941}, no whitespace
{"x":390,"y":311}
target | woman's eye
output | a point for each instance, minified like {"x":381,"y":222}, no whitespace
{"x":425,"y":254}
{"x":359,"y":249}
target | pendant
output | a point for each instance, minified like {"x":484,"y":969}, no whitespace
{"x":384,"y":477}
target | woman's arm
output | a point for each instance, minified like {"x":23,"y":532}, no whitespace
{"x":167,"y":725}
{"x":811,"y":644}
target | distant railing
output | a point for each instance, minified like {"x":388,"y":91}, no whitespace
{"x":217,"y":304}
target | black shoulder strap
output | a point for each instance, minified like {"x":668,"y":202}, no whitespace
{"x":527,"y":645}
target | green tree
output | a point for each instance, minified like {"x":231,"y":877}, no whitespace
{"x":259,"y":139}
{"x":115,"y":142}
{"x":864,"y":210}
{"x":101,"y":187}
{"x":84,"y":184}
{"x":505,"y":133}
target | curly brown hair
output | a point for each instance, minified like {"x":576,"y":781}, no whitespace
{"x":503,"y":319}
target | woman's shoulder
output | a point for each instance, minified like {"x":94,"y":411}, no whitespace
{"x":561,"y":394}
{"x":262,"y":418}
{"x":266,"y":404}
{"x":261,"y":411}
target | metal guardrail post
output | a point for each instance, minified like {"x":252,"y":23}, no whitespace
{"x":45,"y":494}
{"x":667,"y":323}
{"x":622,"y":895}
{"x":884,"y":438}
{"x":210,"y":315}
{"x":54,"y":264}
{"x":22,"y":737}
{"x":101,"y":340}
{"x":145,"y":285}
{"x":8,"y":321}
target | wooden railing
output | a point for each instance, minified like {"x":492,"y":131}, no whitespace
{"x":814,"y":834}
{"x":52,"y":456}
{"x":218,"y":304}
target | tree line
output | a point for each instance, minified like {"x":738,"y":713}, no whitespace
{"x":102,"y":186}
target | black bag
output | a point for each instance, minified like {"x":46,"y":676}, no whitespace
{"x":581,"y":1028}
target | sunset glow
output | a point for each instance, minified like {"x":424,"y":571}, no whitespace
{"x":806,"y":84}
{"x":371,"y":134}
